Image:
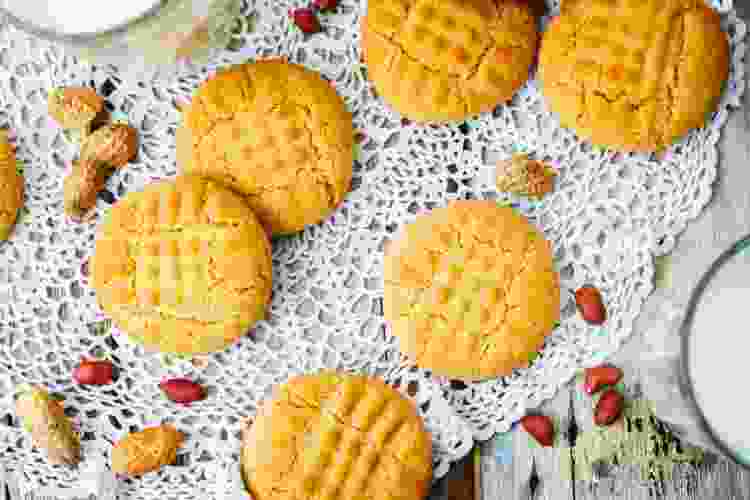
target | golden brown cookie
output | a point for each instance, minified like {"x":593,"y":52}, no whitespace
{"x":634,"y":75}
{"x":11,"y":187}
{"x":336,"y":436}
{"x":470,"y":290}
{"x":147,"y":450}
{"x":440,"y":60}
{"x":276,"y":132}
{"x":183,"y":266}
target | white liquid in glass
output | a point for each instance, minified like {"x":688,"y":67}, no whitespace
{"x":720,"y":354}
{"x":77,"y":17}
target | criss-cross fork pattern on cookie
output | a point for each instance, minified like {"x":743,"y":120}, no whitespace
{"x":332,"y":436}
{"x":437,"y":60}
{"x":183,"y":266}
{"x":275,"y":132}
{"x":470,"y":290}
{"x":634,"y":75}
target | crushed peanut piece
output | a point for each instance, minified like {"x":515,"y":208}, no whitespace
{"x":523,"y":176}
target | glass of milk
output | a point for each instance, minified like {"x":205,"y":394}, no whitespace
{"x":697,"y":378}
{"x":78,"y":18}
{"x":129,"y":33}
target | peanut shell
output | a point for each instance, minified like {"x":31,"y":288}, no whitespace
{"x":75,"y":108}
{"x":147,"y":450}
{"x":51,"y":430}
{"x":82,"y":185}
{"x":115,"y":144}
{"x":526,"y":177}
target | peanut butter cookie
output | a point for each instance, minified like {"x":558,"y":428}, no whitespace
{"x":337,"y":436}
{"x":11,"y":187}
{"x":634,"y":75}
{"x":440,"y":60}
{"x":470,"y":290}
{"x":276,"y":132}
{"x":183,"y":266}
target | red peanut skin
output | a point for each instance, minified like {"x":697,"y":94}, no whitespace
{"x":540,"y":427}
{"x":590,"y":305}
{"x":182,"y":390}
{"x":326,"y":4}
{"x":93,"y":372}
{"x":306,"y":20}
{"x":609,"y":408}
{"x":599,"y":376}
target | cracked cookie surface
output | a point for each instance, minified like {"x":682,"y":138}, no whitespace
{"x":11,"y":187}
{"x":331,"y":436}
{"x":276,"y":132}
{"x":442,"y":60}
{"x":183,"y":266}
{"x":470,"y":290}
{"x":633,"y":75}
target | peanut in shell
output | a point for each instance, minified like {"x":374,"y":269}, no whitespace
{"x":51,"y":430}
{"x":114,"y":144}
{"x":75,"y":108}
{"x":81,"y":186}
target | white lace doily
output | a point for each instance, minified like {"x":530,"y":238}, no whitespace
{"x":609,"y":215}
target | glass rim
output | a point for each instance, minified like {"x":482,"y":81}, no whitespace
{"x":686,"y":380}
{"x":80,"y":39}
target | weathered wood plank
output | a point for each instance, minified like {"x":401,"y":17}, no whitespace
{"x":461,"y":482}
{"x":617,"y":481}
{"x":505,"y":480}
{"x":622,"y":484}
{"x":529,"y":469}
{"x":497,"y":474}
{"x":717,"y":481}
{"x":554,"y":479}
